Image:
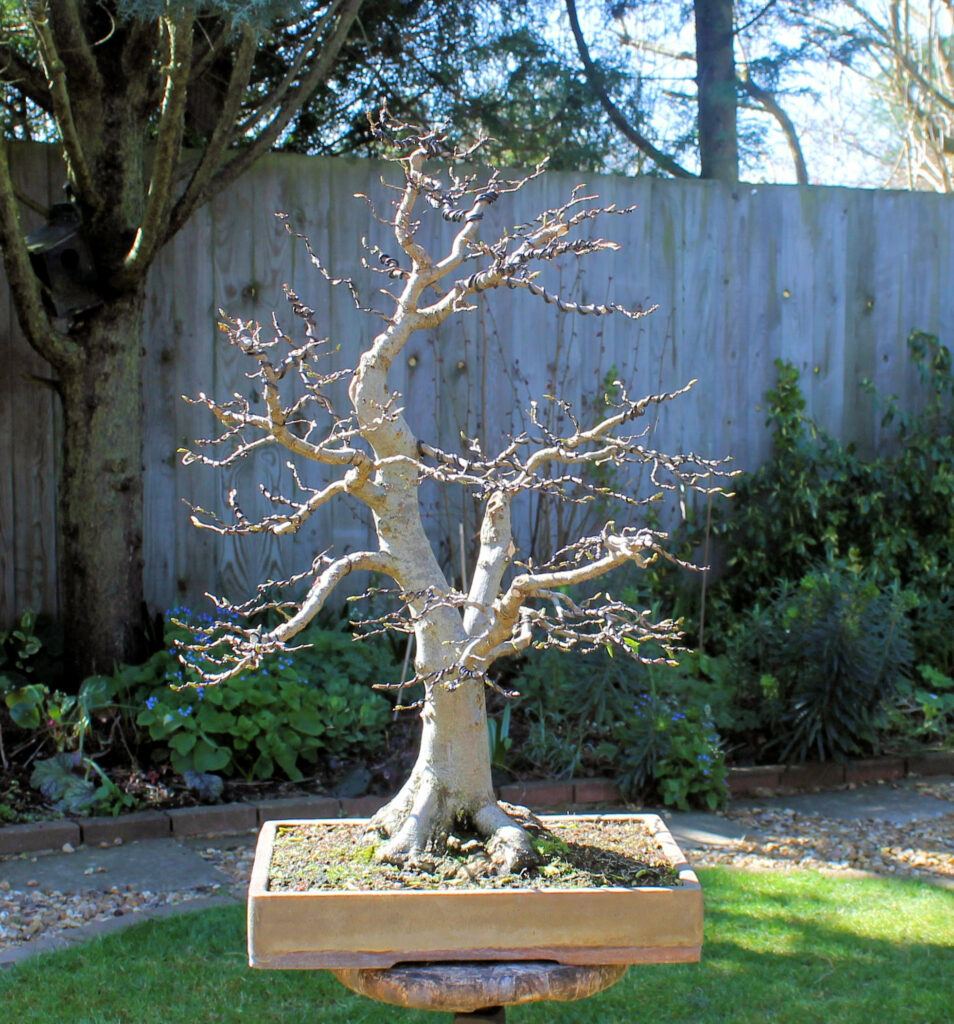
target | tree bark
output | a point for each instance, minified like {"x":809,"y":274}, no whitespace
{"x":718,"y":101}
{"x":101,"y":490}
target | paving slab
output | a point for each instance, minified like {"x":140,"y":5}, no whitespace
{"x":697,"y":828}
{"x":153,"y":864}
{"x":897,"y":804}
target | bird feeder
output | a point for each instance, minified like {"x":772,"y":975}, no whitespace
{"x":62,"y":260}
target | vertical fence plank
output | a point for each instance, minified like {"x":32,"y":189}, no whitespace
{"x":831,"y":279}
{"x":37,"y":174}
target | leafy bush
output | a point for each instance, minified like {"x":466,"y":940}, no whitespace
{"x":673,"y":751}
{"x":581,"y":714}
{"x":925,"y":709}
{"x":824,"y":657}
{"x":75,"y":784}
{"x":818,"y":501}
{"x":569,"y":705}
{"x":281,"y":717}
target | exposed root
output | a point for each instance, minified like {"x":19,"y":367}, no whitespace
{"x":419,"y":829}
{"x":508,"y":844}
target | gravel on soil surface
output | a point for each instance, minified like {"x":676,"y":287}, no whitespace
{"x":779,"y":840}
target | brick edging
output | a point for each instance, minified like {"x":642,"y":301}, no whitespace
{"x":241,"y":817}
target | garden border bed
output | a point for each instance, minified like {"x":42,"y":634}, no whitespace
{"x":211,"y":819}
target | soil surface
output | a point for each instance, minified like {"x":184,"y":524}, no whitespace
{"x":579,"y":854}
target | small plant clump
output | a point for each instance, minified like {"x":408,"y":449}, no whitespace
{"x":576,"y":853}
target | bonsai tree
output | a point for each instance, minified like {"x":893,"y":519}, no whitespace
{"x":376,"y":459}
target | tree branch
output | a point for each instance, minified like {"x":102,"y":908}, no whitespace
{"x":24,"y":285}
{"x":245,"y":649}
{"x":667,"y":163}
{"x":76,"y":162}
{"x":618,"y":549}
{"x":72,"y":45}
{"x":23,"y":76}
{"x":215,"y":148}
{"x":152,"y":230}
{"x":768,"y":101}
{"x":287,"y":104}
{"x":496,"y":552}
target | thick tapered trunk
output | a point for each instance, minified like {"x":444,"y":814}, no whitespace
{"x":450,"y":785}
{"x":101,"y":491}
{"x":716,"y":80}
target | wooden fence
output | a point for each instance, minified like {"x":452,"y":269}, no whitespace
{"x":832,"y":279}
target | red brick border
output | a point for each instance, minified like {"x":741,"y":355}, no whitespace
{"x":877,"y":769}
{"x":540,"y":793}
{"x":932,"y":762}
{"x":197,"y":821}
{"x":596,"y":791}
{"x":750,"y":781}
{"x":240,"y":817}
{"x":127,"y":827}
{"x":38,"y":835}
{"x":813,"y":775}
{"x":298,"y":807}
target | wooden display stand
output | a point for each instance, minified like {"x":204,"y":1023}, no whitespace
{"x":479,"y":992}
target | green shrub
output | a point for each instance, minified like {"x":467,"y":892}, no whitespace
{"x":924,"y":712}
{"x":672,"y":750}
{"x":825,"y":657}
{"x":817,"y":501}
{"x":569,"y":705}
{"x":595,"y":713}
{"x":279,"y":718}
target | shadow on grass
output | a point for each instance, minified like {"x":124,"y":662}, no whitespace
{"x":781,"y":948}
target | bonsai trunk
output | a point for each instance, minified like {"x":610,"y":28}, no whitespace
{"x":101,"y":491}
{"x":450,"y":786}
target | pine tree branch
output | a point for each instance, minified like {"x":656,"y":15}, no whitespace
{"x":151,"y":233}
{"x":24,"y":286}
{"x":619,"y":119}
{"x":211,"y":158}
{"x":284,"y":106}
{"x":72,"y":45}
{"x":28,"y":80}
{"x":770,"y":104}
{"x":56,"y":70}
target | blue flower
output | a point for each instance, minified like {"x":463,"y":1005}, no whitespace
{"x":185,"y":712}
{"x":200,"y":692}
{"x":678,"y":717}
{"x":151,"y":702}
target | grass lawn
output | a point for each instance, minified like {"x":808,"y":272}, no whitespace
{"x":780,"y":948}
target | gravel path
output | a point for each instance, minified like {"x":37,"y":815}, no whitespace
{"x":775,"y":838}
{"x":785,"y":839}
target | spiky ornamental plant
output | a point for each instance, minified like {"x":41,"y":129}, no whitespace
{"x":509,"y":606}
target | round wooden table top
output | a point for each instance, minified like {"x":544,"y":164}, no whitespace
{"x":459,"y":987}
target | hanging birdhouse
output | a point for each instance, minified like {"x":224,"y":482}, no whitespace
{"x":63,"y":262}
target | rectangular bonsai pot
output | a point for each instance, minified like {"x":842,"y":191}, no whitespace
{"x":338,"y":928}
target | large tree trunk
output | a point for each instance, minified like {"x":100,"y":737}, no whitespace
{"x":101,"y":491}
{"x":716,"y":79}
